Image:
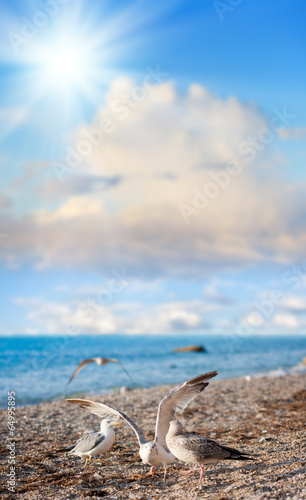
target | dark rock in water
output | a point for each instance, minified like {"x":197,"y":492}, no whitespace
{"x":191,"y":348}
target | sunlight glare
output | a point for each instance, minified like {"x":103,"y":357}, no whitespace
{"x":64,"y":67}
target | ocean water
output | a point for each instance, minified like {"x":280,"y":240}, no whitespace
{"x":38,"y":368}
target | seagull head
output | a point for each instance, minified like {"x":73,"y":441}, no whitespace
{"x":149,"y":449}
{"x":108,"y":423}
{"x":176,"y":427}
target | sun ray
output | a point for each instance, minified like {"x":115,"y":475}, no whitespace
{"x":64,"y":71}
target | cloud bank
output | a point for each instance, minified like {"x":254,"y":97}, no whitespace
{"x":162,"y":154}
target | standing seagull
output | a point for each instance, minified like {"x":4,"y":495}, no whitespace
{"x":95,"y":443}
{"x":100,"y":362}
{"x":195,"y":449}
{"x":155,"y":453}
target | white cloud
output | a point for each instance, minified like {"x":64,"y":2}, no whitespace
{"x":295,"y":303}
{"x":75,"y":207}
{"x":56,"y":318}
{"x":91,"y":317}
{"x":167,"y":147}
{"x":287,"y":321}
{"x":254,"y":319}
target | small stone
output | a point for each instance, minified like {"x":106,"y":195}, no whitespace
{"x":124,"y":389}
{"x":97,"y":476}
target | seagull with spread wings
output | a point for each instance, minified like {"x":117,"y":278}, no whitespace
{"x":155,"y":453}
{"x":100,"y":361}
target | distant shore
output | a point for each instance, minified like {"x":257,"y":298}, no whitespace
{"x":261,"y":416}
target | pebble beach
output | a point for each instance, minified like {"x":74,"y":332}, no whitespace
{"x":264,"y":417}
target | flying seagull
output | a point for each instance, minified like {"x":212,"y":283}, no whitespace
{"x":100,"y":362}
{"x":155,"y":453}
{"x":195,"y":449}
{"x":95,"y":443}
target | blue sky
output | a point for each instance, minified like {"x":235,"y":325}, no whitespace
{"x":153,"y":167}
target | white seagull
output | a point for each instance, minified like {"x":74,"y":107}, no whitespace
{"x":95,"y":443}
{"x":155,"y":453}
{"x":100,"y":361}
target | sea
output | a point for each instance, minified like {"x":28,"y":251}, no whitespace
{"x":37,"y":368}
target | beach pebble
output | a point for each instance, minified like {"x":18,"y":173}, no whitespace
{"x":124,"y":389}
{"x":44,"y":473}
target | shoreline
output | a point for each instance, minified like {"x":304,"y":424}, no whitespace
{"x":280,"y":372}
{"x":148,"y":358}
{"x":261,"y":416}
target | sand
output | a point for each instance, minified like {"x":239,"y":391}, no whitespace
{"x":263,"y":416}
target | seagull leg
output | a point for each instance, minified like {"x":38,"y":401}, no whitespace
{"x":165,"y":474}
{"x":201,"y":474}
{"x":187,"y":472}
{"x":152,"y":471}
{"x":88,"y":458}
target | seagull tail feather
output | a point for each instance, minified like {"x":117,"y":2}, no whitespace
{"x":236,"y":454}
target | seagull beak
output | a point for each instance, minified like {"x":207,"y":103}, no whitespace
{"x":116,"y":423}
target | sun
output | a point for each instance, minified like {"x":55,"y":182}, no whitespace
{"x":64,"y":67}
{"x":63,"y":72}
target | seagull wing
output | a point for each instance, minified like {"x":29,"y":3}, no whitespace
{"x":105,"y":411}
{"x":176,"y":401}
{"x":88,"y":442}
{"x":123,"y":368}
{"x":80,"y":366}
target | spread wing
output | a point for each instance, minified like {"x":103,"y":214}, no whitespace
{"x":100,"y":361}
{"x":176,"y":401}
{"x":80,"y":366}
{"x":105,"y":411}
{"x":88,"y":442}
{"x":123,"y":368}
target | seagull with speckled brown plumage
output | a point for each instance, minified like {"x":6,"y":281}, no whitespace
{"x":199,"y":450}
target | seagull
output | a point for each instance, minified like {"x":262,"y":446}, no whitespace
{"x":100,"y":362}
{"x":192,"y":448}
{"x":155,"y":453}
{"x":94,"y":443}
